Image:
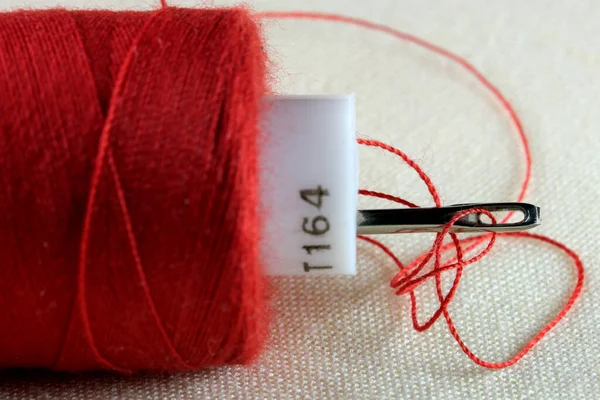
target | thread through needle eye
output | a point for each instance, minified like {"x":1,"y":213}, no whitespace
{"x":407,"y":220}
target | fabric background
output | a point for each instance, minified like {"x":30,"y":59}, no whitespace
{"x":350,"y":337}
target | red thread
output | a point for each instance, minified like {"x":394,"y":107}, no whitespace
{"x":129,"y":225}
{"x":385,"y":196}
{"x":150,"y":165}
{"x":407,"y":278}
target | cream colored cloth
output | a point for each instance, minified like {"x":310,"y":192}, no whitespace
{"x":350,"y":337}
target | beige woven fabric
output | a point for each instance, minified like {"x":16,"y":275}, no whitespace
{"x":350,"y":337}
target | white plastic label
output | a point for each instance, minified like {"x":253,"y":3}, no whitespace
{"x":309,"y":185}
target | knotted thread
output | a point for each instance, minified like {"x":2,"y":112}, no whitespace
{"x":412,"y":275}
{"x":128,"y":158}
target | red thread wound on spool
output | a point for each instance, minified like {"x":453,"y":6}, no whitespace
{"x":129,"y":227}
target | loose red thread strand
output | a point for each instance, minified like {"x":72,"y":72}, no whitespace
{"x":385,"y":196}
{"x":407,"y":278}
{"x":105,"y":153}
{"x":435,"y":49}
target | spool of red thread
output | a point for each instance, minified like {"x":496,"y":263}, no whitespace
{"x":129,"y":228}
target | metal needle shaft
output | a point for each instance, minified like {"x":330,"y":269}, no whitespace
{"x":434,"y":219}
